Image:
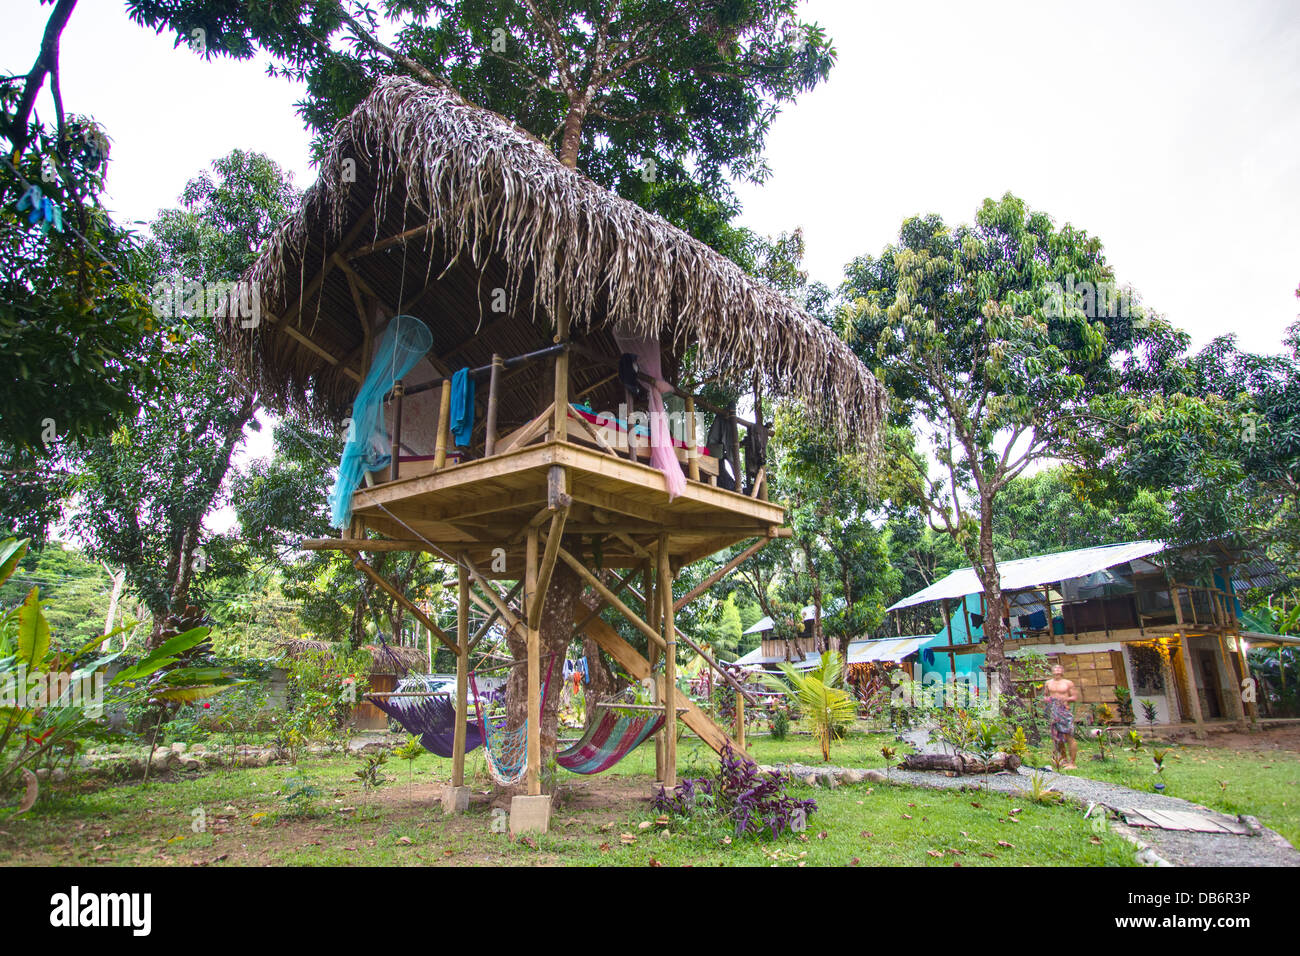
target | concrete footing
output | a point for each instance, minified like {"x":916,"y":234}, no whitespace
{"x":530,"y":814}
{"x":455,"y":799}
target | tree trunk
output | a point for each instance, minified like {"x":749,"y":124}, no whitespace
{"x":562,"y":596}
{"x":995,"y":631}
{"x":819,"y":637}
{"x":571,"y":142}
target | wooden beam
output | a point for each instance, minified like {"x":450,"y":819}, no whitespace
{"x":493,"y":615}
{"x":403,"y":600}
{"x":362,"y":544}
{"x":627,"y":579}
{"x":533,"y":777}
{"x":561,"y":404}
{"x":626,"y":656}
{"x":382,"y":244}
{"x":611,"y":598}
{"x":664,"y":585}
{"x":462,"y":679}
{"x":553,"y":537}
{"x":719,"y":574}
{"x":292,"y":312}
{"x":494,"y":401}
{"x":523,"y":436}
{"x":490,"y":592}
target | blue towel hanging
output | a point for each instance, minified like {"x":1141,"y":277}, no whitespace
{"x":462,"y":408}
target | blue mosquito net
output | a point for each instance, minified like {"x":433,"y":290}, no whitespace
{"x":403,"y":343}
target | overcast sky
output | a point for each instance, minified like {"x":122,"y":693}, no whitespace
{"x":1171,"y":130}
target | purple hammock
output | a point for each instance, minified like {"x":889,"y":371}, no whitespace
{"x":432,"y":719}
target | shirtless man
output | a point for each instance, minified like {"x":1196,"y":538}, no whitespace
{"x":1061,"y":694}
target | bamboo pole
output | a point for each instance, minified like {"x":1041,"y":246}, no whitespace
{"x":665,"y":585}
{"x":652,"y":609}
{"x":548,"y":565}
{"x":719,"y":574}
{"x":533,"y":773}
{"x":561,"y":405}
{"x":692,"y":450}
{"x":740,"y":720}
{"x":494,"y":401}
{"x":444,"y":427}
{"x":462,"y":680}
{"x":398,"y":392}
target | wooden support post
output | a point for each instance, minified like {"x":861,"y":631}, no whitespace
{"x":444,"y":426}
{"x":462,"y":680}
{"x":494,"y":401}
{"x":692,"y":449}
{"x":1188,"y":672}
{"x":398,"y":391}
{"x":734,"y":456}
{"x":533,"y":777}
{"x":665,"y":586}
{"x":740,"y":719}
{"x":652,"y":609}
{"x":561,"y":406}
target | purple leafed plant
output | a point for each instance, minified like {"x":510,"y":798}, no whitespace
{"x":756,"y":803}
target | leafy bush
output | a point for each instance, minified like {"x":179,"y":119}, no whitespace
{"x":323,"y":689}
{"x":52,"y":701}
{"x":779,"y":725}
{"x":754,"y":803}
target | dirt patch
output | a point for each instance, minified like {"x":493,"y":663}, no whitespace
{"x":1271,"y":738}
{"x":405,"y":825}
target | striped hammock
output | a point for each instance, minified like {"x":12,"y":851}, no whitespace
{"x":608,"y":740}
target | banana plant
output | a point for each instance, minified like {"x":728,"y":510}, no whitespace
{"x":43,"y":692}
{"x":824,"y":704}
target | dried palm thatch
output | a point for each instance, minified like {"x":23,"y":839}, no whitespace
{"x":411,"y":658}
{"x":499,"y":210}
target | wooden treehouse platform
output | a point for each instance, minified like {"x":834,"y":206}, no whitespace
{"x":617,"y":511}
{"x":565,"y":487}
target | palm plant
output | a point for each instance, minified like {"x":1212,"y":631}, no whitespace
{"x":820,"y":698}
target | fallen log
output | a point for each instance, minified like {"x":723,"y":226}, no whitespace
{"x":962,"y":763}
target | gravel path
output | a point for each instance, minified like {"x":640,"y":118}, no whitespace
{"x":1261,"y":847}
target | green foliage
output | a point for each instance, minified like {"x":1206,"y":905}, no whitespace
{"x":966,"y":331}
{"x":323,"y":690}
{"x":690,"y":88}
{"x":40,"y":717}
{"x":144,"y":489}
{"x":826,"y":707}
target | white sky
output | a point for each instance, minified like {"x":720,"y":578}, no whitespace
{"x":1170,"y":129}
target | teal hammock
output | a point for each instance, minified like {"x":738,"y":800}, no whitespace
{"x":404,"y":342}
{"x":506,"y":751}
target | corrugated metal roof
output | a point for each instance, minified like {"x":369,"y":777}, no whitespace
{"x":889,"y":649}
{"x":765,"y":623}
{"x":1040,"y":569}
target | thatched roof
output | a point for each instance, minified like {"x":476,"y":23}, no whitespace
{"x":502,"y":212}
{"x":411,"y":658}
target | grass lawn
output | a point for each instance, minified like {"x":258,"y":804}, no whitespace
{"x":248,"y":818}
{"x":1263,"y":783}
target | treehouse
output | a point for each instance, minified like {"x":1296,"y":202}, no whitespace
{"x":504,"y":343}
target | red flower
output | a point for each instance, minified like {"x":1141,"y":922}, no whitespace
{"x":206,"y":705}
